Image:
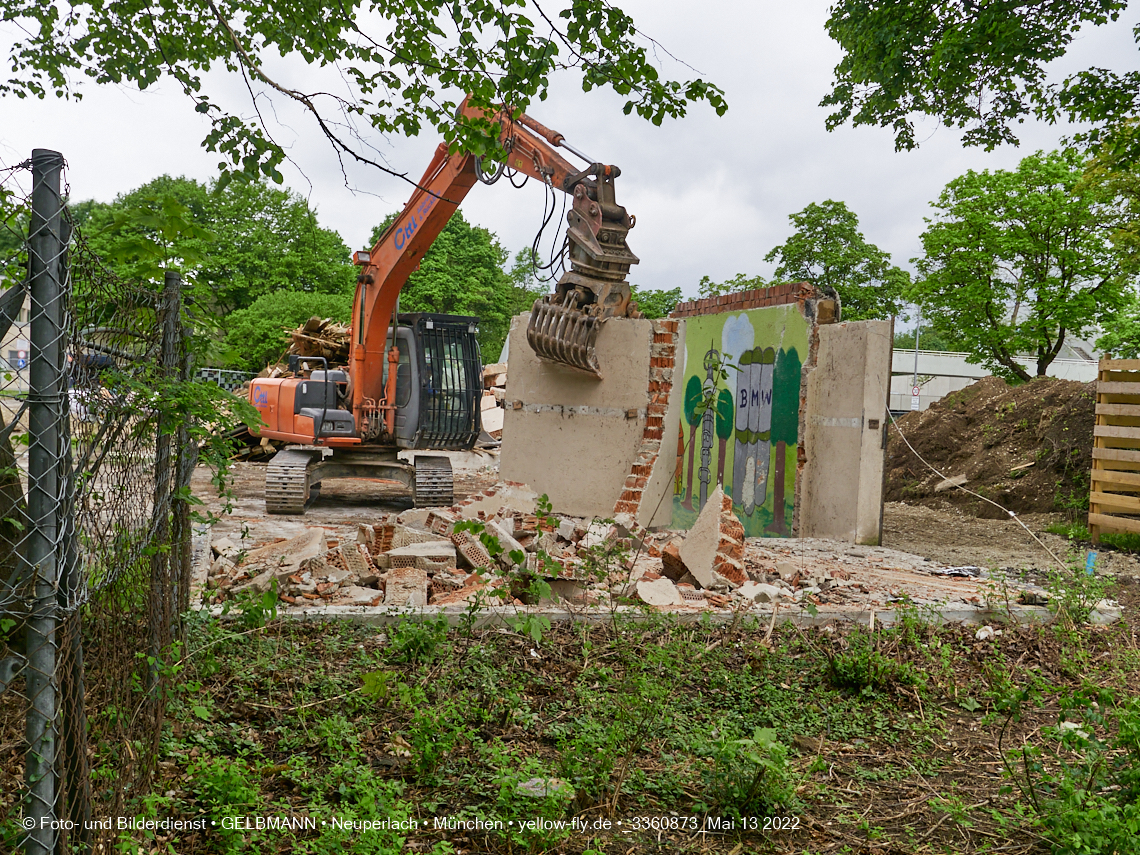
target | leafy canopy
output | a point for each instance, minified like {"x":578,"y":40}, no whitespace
{"x":829,"y":251}
{"x":973,"y":64}
{"x":1017,"y":260}
{"x":257,"y":336}
{"x":393,"y":66}
{"x":236,"y":242}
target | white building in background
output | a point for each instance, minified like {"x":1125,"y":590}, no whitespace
{"x":941,"y":372}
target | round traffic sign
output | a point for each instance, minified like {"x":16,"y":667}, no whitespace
{"x":916,"y":391}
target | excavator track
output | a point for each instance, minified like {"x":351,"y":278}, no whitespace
{"x":435,"y":483}
{"x":287,"y":481}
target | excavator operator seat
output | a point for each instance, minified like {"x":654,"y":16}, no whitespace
{"x":317,"y":397}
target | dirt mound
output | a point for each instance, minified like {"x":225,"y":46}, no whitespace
{"x":1028,"y":447}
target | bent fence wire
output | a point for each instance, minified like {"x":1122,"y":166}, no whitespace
{"x":94,"y":539}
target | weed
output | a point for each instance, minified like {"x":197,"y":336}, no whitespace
{"x":417,"y":641}
{"x":256,"y":609}
{"x":862,"y":668}
{"x":1074,"y":595}
{"x":1085,"y":786}
{"x":748,"y":776}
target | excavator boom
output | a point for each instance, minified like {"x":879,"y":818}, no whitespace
{"x":563,"y":326}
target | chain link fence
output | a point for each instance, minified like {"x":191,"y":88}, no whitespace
{"x":94,"y":522}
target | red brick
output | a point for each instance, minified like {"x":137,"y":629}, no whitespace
{"x":652,"y":433}
{"x":655,"y":409}
{"x":624,"y":507}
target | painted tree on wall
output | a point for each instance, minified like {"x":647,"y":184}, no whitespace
{"x":693,"y":398}
{"x":785,"y":427}
{"x":725,"y":420}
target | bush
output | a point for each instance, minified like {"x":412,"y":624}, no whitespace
{"x":256,"y":336}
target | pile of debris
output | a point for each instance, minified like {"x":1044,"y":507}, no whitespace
{"x":423,"y":557}
{"x":494,"y":399}
{"x":322,"y":337}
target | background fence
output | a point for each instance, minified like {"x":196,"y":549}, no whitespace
{"x":1114,"y":503}
{"x":94,"y":526}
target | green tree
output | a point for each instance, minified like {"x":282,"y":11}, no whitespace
{"x":694,"y":397}
{"x":256,"y":336}
{"x":656,"y":304}
{"x":462,"y":274}
{"x":725,"y":421}
{"x":829,"y":251}
{"x":1017,"y":260}
{"x":931,"y":338}
{"x":411,"y":75}
{"x":237,"y":242}
{"x":976,"y":65}
{"x":786,"y":380}
{"x":738,"y":283}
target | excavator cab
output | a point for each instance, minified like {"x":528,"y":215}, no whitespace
{"x":439,"y":381}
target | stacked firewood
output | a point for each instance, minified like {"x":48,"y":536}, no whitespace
{"x":321,"y":337}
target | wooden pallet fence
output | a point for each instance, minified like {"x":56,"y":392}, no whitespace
{"x":1114,"y":492}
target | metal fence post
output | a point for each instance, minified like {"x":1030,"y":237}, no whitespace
{"x":46,"y":404}
{"x":184,"y":471}
{"x":162,"y":561}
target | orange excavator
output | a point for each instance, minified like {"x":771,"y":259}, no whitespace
{"x":414,"y":380}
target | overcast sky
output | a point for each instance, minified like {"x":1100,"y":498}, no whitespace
{"x":712,"y":195}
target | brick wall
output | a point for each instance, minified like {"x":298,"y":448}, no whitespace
{"x":777,"y":295}
{"x":662,"y":360}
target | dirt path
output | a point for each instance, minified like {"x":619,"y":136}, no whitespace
{"x":949,"y":536}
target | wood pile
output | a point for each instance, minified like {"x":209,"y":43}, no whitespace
{"x":322,"y":337}
{"x":494,"y":395}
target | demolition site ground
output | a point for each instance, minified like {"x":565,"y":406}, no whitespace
{"x":713,"y":725}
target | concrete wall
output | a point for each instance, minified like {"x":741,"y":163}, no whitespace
{"x":569,"y":435}
{"x":844,"y":426}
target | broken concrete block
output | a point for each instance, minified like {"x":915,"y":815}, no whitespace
{"x":366,"y":535}
{"x":441,"y":521}
{"x":503,"y":496}
{"x":290,"y":553}
{"x":595,"y":535}
{"x":355,"y":595}
{"x":430,"y":557}
{"x":699,"y":550}
{"x":223,"y":566}
{"x":356,"y":559}
{"x":658,"y":592}
{"x":406,"y":586}
{"x":506,"y":541}
{"x":570,"y":590}
{"x":472,"y":550}
{"x":225,"y":546}
{"x":566,"y":529}
{"x":493,"y":418}
{"x":415,"y":518}
{"x":787,"y":570}
{"x":761,"y":592}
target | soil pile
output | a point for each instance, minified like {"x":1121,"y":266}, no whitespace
{"x":1028,"y":448}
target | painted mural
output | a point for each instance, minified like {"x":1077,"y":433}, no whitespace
{"x":745,"y":438}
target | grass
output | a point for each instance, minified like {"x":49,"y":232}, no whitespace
{"x":691,"y":735}
{"x":1077,"y":531}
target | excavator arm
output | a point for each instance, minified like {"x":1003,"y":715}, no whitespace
{"x":563,"y":326}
